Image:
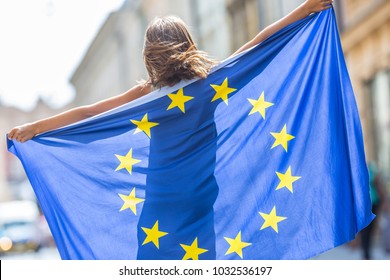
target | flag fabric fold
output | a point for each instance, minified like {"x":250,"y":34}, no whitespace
{"x":263,"y":159}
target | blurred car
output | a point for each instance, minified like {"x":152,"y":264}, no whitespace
{"x":18,"y":227}
{"x":19,"y":236}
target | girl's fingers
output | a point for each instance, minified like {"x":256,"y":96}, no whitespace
{"x":14,"y":134}
{"x":11,"y":134}
{"x":327,"y":4}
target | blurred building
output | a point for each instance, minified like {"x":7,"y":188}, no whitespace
{"x":365,"y":29}
{"x":248,"y":17}
{"x":13,"y":180}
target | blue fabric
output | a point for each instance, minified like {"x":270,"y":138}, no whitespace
{"x":213,"y":178}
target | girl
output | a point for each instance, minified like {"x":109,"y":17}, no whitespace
{"x":170,"y":56}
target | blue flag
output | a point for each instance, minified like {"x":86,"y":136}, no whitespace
{"x":263,"y":159}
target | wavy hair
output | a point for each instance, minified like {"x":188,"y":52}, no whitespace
{"x":170,"y":54}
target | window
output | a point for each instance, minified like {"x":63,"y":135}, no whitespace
{"x":244,"y":21}
{"x":379,"y":90}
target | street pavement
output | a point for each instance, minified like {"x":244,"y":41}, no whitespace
{"x":343,"y":252}
{"x":50,"y":253}
{"x":352,"y":252}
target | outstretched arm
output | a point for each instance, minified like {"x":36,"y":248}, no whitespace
{"x":27,"y":131}
{"x":305,"y":9}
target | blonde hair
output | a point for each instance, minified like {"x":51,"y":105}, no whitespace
{"x":170,"y":54}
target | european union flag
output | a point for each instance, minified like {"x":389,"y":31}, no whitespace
{"x":264,"y":159}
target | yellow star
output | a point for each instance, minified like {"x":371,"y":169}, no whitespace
{"x":236,"y":245}
{"x":130,"y":201}
{"x":127,"y":161}
{"x":144,"y":125}
{"x":259,"y":105}
{"x":282,"y":138}
{"x":178,"y":100}
{"x":222,"y":91}
{"x":286,"y":180}
{"x":153,"y":235}
{"x":271,"y":220}
{"x":193,"y":251}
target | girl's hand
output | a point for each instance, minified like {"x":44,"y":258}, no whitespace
{"x":22,"y":133}
{"x":314,"y":6}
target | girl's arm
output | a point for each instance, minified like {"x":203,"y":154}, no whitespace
{"x":305,"y":9}
{"x":27,"y":131}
